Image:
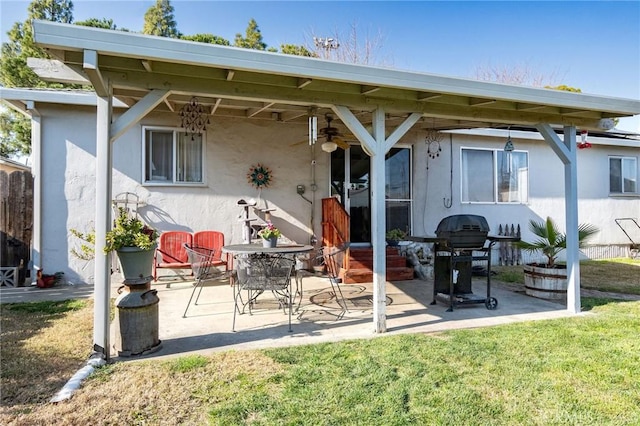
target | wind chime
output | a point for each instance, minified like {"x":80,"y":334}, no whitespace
{"x":194,"y":118}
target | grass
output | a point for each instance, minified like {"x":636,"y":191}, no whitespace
{"x":575,"y":371}
{"x":611,"y":275}
{"x":525,"y":373}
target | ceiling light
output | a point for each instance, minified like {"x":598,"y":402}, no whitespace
{"x":329,"y":146}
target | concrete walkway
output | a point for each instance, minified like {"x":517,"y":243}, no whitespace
{"x":208,"y":325}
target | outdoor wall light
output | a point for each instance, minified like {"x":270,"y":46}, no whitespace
{"x":508,"y":147}
{"x":329,"y":146}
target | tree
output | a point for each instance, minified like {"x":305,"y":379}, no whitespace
{"x":207,"y":38}
{"x":159,"y":20}
{"x":104,"y":23}
{"x":252,"y":39}
{"x":15,"y":134}
{"x":350,"y":48}
{"x":565,"y":88}
{"x":292,"y":49}
{"x":520,"y":74}
{"x":13,"y":64}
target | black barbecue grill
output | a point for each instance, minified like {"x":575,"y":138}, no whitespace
{"x":461,"y":240}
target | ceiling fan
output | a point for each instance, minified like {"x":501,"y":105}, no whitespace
{"x":333,"y":138}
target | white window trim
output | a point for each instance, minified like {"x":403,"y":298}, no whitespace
{"x":175,"y":131}
{"x":494,"y":159}
{"x":622,"y":193}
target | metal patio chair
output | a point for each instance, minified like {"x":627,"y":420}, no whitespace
{"x":204,"y":263}
{"x":333,"y":260}
{"x":259,"y":273}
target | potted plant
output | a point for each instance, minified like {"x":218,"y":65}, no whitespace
{"x":269,"y":235}
{"x":394,"y":236}
{"x":549,"y":280}
{"x":134,"y":242}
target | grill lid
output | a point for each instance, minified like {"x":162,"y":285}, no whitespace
{"x":463,"y":223}
{"x":463,"y":230}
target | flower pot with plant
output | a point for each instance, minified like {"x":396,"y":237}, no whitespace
{"x":394,"y":236}
{"x":549,"y":280}
{"x":134,"y":242}
{"x":269,"y":235}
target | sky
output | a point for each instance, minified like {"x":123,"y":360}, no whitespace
{"x":591,"y":45}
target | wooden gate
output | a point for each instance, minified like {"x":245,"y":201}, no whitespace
{"x":16,"y":221}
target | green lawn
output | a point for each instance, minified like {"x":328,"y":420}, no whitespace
{"x":582,"y":370}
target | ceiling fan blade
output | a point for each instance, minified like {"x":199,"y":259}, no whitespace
{"x":340,"y":142}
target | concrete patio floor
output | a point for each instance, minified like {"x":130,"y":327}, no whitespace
{"x":208,"y":325}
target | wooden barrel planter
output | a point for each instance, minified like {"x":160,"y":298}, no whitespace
{"x":545,"y":283}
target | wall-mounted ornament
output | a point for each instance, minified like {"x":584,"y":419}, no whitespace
{"x":259,"y":176}
{"x":433,"y":140}
{"x":193,"y":117}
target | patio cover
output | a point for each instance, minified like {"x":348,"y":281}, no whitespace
{"x":160,"y":74}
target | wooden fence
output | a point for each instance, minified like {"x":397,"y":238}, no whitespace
{"x":510,"y":254}
{"x":16,"y":222}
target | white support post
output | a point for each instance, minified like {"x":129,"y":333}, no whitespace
{"x":571,"y":211}
{"x":102,"y":285}
{"x":378,"y":220}
{"x":36,"y":155}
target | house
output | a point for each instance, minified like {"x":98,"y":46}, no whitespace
{"x":8,"y":166}
{"x":439,"y":157}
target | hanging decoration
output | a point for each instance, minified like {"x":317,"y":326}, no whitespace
{"x":194,"y":117}
{"x":433,"y":140}
{"x":583,"y":140}
{"x":260,"y":176}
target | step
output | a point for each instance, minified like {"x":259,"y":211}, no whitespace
{"x":393,"y":261}
{"x":365,"y":252}
{"x":365,"y":275}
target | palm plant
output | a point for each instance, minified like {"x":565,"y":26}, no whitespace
{"x":551,"y":241}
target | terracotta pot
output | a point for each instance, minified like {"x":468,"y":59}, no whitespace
{"x":545,"y":283}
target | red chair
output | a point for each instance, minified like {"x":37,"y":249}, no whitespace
{"x":171,"y":253}
{"x":212,"y":240}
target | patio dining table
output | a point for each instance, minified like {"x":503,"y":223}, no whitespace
{"x":267,"y":261}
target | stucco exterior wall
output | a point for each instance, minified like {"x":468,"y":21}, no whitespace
{"x":435,"y":186}
{"x":232,"y":146}
{"x":235,"y":144}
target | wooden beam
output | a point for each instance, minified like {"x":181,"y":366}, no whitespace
{"x":134,"y":114}
{"x":54,"y":70}
{"x":147,"y":65}
{"x":367,"y":90}
{"x":255,"y":111}
{"x":302,"y":82}
{"x":424,"y":96}
{"x":474,"y":102}
{"x":215,"y":106}
{"x":90,"y":66}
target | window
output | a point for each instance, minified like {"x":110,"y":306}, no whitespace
{"x":172,"y":157}
{"x":492,"y":176}
{"x":623,"y":175}
{"x":398,"y":189}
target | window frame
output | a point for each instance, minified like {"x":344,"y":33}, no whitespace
{"x":622,"y":159}
{"x":495,"y":177}
{"x":175,"y":132}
